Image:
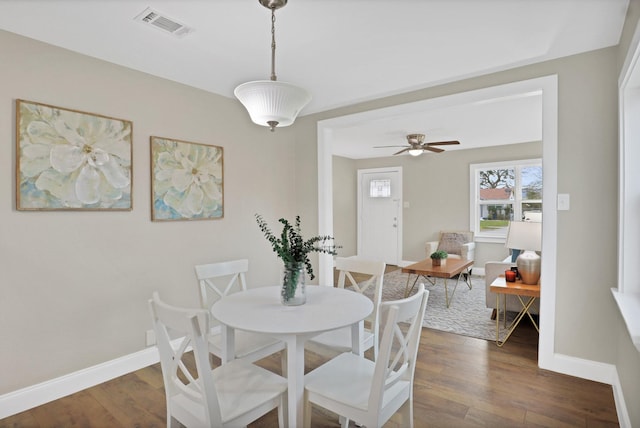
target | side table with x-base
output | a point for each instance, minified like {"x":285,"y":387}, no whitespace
{"x":501,"y":287}
{"x":448,"y":270}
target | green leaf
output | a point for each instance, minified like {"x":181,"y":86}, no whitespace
{"x":291,"y":247}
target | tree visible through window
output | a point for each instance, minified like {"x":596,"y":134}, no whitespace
{"x":502,"y":192}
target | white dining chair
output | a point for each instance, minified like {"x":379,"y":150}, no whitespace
{"x":337,"y":341}
{"x":371,"y":392}
{"x":231,"y":395}
{"x":217,"y":280}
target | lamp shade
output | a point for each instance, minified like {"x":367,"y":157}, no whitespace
{"x":524,"y":235}
{"x":527,"y":236}
{"x":415,"y":152}
{"x":272,"y":101}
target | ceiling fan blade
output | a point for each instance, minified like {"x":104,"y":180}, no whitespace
{"x":443,"y":143}
{"x":433,"y":149}
{"x":402,"y":151}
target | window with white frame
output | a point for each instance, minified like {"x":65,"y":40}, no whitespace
{"x":627,"y":294}
{"x":502,"y":192}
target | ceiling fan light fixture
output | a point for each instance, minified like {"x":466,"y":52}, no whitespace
{"x":417,"y":146}
{"x":269,"y":102}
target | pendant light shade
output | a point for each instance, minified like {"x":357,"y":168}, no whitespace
{"x":269,"y":102}
{"x":272,"y":103}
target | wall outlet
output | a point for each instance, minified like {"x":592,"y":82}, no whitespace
{"x":150,"y":337}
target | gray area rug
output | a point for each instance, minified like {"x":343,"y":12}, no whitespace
{"x":467,"y":314}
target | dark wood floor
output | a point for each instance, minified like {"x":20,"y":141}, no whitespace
{"x":460,"y":382}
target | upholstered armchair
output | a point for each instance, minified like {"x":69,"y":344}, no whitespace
{"x":458,"y":244}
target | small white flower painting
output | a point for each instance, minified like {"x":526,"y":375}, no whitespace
{"x":186,"y":180}
{"x":71,"y":160}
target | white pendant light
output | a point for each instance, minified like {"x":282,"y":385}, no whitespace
{"x":269,"y":102}
{"x":415,"y":152}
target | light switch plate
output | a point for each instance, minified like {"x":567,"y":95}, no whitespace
{"x":564,"y":202}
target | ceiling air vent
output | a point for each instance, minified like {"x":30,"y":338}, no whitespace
{"x":163,"y":22}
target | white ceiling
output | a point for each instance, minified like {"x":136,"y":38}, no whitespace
{"x":342,"y":51}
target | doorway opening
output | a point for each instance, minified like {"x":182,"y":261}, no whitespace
{"x":548,"y":85}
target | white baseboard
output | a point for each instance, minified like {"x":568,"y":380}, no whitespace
{"x":585,"y":369}
{"x":477,"y":271}
{"x":41,"y":393}
{"x":36,"y":395}
{"x":621,"y":407}
{"x":597,"y":372}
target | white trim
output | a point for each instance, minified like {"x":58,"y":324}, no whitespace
{"x":631,"y":59}
{"x":546,"y":347}
{"x":627,"y":295}
{"x":627,"y":128}
{"x":478,"y":271}
{"x":585,"y":369}
{"x":629,"y":306}
{"x":549,"y":86}
{"x":36,"y":395}
{"x":325,"y":202}
{"x":621,"y":408}
{"x":597,"y":372}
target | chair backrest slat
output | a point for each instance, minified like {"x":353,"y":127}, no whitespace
{"x":217,"y":280}
{"x":347,"y":266}
{"x":198,"y":385}
{"x":398,"y":350}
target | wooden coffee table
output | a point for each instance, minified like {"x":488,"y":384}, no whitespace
{"x":448,"y":270}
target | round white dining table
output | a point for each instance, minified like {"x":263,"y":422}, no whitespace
{"x":259,"y":310}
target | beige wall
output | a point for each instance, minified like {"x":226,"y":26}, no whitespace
{"x":345,"y":187}
{"x":437,"y":190}
{"x":587,"y":166}
{"x":74,"y":285}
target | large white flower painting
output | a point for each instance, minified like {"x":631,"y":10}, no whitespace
{"x":71,"y":160}
{"x":186,"y":180}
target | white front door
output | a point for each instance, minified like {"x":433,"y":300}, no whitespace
{"x":380,"y":214}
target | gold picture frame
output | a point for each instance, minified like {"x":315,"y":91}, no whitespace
{"x":187,"y":180}
{"x":72,"y":160}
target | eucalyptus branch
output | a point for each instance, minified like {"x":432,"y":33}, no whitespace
{"x":291,"y":247}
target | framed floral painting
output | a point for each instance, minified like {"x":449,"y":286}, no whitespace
{"x":186,"y":180}
{"x":71,"y":160}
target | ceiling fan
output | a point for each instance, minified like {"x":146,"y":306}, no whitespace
{"x":417,"y":145}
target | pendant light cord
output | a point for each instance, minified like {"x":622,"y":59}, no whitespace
{"x":273,"y":44}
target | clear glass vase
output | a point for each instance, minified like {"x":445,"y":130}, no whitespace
{"x":293,"y":277}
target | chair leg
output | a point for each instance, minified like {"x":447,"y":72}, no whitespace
{"x":405,"y":413}
{"x":344,"y":422}
{"x":283,"y":362}
{"x":282,"y":411}
{"x":173,"y":422}
{"x":307,"y":411}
